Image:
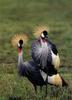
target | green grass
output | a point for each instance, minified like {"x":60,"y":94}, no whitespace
{"x":18,"y":16}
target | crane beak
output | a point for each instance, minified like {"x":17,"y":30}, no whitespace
{"x":46,"y":37}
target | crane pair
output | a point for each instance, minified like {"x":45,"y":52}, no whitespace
{"x":42,"y":68}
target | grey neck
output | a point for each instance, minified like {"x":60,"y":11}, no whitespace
{"x":20,"y":59}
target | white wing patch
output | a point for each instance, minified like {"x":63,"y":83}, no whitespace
{"x":54,"y":79}
{"x":43,"y":74}
{"x":55,"y":60}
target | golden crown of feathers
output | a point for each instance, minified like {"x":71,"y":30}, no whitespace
{"x":39,"y":29}
{"x":18,"y":37}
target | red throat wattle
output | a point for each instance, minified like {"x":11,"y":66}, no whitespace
{"x":20,"y":50}
{"x":44,"y":40}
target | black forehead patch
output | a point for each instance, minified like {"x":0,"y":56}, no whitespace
{"x":21,"y":41}
{"x":45,"y":33}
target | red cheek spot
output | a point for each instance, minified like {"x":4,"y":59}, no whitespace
{"x":20,"y":50}
{"x":45,"y":40}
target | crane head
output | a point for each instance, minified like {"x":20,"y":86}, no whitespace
{"x":19,"y":40}
{"x":44,"y":34}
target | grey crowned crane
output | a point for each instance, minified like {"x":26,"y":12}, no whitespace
{"x":28,"y":69}
{"x":45,"y":54}
{"x":31,"y":70}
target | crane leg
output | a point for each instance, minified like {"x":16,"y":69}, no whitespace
{"x":40,"y":88}
{"x":35,"y":87}
{"x":46,"y":84}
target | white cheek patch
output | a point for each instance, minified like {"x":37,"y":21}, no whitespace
{"x":42,"y":35}
{"x":18,"y":45}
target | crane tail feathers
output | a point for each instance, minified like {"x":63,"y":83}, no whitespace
{"x":57,"y":80}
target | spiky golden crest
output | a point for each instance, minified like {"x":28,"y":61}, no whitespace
{"x":18,"y":37}
{"x":39,"y":29}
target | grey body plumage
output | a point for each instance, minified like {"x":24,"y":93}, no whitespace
{"x":41,"y":53}
{"x":31,"y":71}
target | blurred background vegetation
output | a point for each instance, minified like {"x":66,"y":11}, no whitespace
{"x":21,"y":16}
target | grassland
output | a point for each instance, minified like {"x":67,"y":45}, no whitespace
{"x":17,"y":16}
